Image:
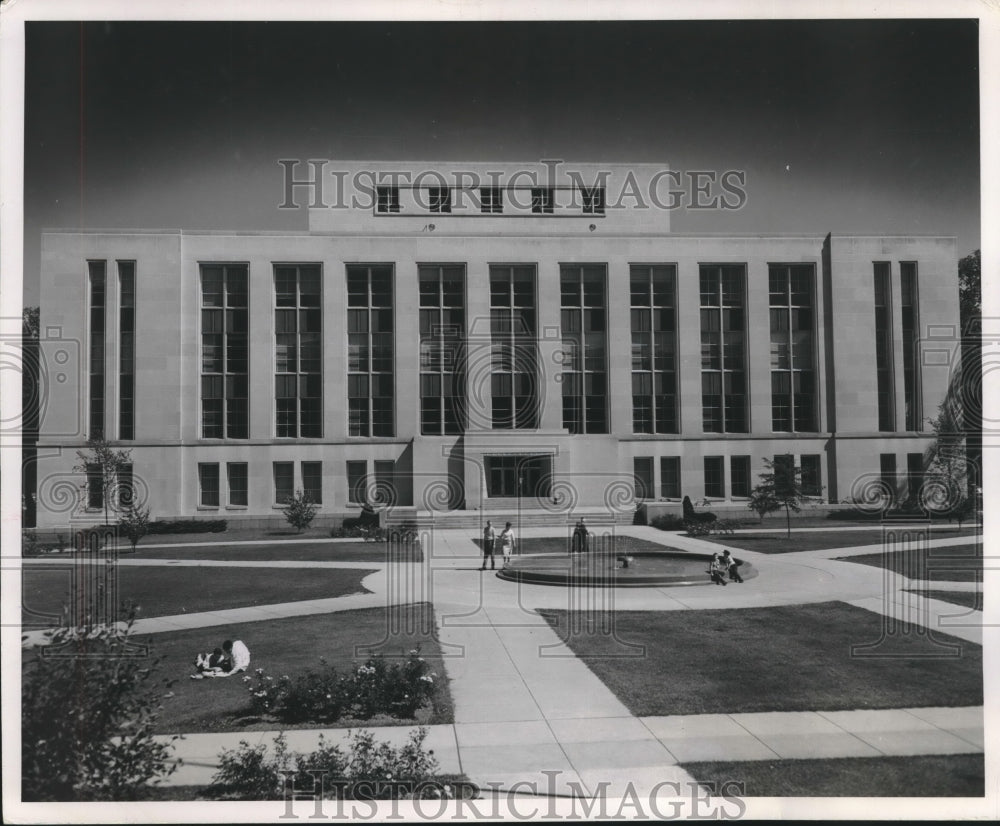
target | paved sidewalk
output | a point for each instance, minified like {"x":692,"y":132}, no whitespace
{"x":589,"y":751}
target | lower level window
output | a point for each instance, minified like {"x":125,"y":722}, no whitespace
{"x":642,"y":469}
{"x":238,"y":483}
{"x":715,"y":477}
{"x":284,"y":482}
{"x":356,"y":472}
{"x":312,"y":481}
{"x":739,"y":476}
{"x":811,"y":475}
{"x":670,"y":477}
{"x":208,"y":484}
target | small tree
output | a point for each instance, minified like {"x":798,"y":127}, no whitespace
{"x":948,"y":467}
{"x":781,"y":484}
{"x":104,"y":460}
{"x":299,"y":511}
{"x":134,"y":523}
{"x":763,"y":501}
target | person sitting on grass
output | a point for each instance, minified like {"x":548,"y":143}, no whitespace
{"x":214,"y":662}
{"x":235,"y":658}
{"x":716,"y":570}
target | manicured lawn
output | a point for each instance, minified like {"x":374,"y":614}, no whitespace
{"x":785,"y":658}
{"x":779,"y":543}
{"x":953,"y":563}
{"x":562,"y":545}
{"x":949,"y":775}
{"x":374,"y":552}
{"x":160,"y":591}
{"x":967,"y":599}
{"x":292,"y":646}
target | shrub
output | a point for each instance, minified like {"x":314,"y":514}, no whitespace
{"x":366,"y":770}
{"x":720,"y":527}
{"x":397,"y":689}
{"x":187,"y":526}
{"x":88,"y":713}
{"x":134,"y":524}
{"x":299,"y":511}
{"x":668,"y":522}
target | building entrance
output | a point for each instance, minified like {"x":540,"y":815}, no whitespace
{"x":516,"y":477}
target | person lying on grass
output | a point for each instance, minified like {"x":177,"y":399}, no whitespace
{"x":235,"y":659}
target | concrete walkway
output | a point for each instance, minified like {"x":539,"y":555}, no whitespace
{"x":528,"y":711}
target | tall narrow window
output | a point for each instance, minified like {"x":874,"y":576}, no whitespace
{"x":491,"y":199}
{"x":356,"y":473}
{"x":385,"y":482}
{"x":208,"y":484}
{"x":370,"y":379}
{"x":542,"y":200}
{"x":654,"y":349}
{"x":739,"y":476}
{"x":793,"y":376}
{"x":126,"y":350}
{"x":883,"y":348}
{"x":723,"y":348}
{"x":98,"y":305}
{"x":386,"y":199}
{"x":584,"y":343}
{"x":784,"y":473}
{"x":642,"y":470}
{"x":442,"y":335}
{"x":715,"y":477}
{"x":298,"y":371}
{"x":911,"y":332}
{"x":670,"y":477}
{"x":440,"y":199}
{"x":239,"y":484}
{"x":225,"y":411}
{"x":312,"y":481}
{"x":95,"y":487}
{"x":887,"y":473}
{"x":284,"y":481}
{"x":126,"y":486}
{"x":513,"y":331}
{"x":811,"y":477}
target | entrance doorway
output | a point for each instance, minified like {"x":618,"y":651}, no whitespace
{"x":518,"y":477}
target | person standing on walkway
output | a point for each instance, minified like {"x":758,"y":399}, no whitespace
{"x":489,"y":542}
{"x":732,"y":566}
{"x":507,"y":543}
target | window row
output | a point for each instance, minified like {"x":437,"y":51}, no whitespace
{"x":516,"y":396}
{"x":492,"y":200}
{"x":229,"y":483}
{"x":714,"y":476}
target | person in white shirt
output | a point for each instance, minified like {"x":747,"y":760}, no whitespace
{"x":238,"y":657}
{"x":507,"y":543}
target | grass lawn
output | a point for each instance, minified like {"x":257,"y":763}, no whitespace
{"x":784,"y":658}
{"x":561,"y":545}
{"x":292,"y":646}
{"x":948,"y":775}
{"x":967,"y":599}
{"x":359,"y":551}
{"x":779,"y":543}
{"x":953,"y":563}
{"x":160,"y":591}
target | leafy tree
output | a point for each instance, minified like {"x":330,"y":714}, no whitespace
{"x":781,"y":485}
{"x":947,"y":476}
{"x":134,"y":523}
{"x":299,"y":510}
{"x":763,"y":501}
{"x":88,"y":715}
{"x":106,"y":461}
{"x":970,"y":287}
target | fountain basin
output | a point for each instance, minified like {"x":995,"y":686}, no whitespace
{"x":644,"y":570}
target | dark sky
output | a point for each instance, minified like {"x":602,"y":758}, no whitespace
{"x":841,"y":126}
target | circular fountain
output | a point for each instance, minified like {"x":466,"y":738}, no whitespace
{"x":638,"y":569}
